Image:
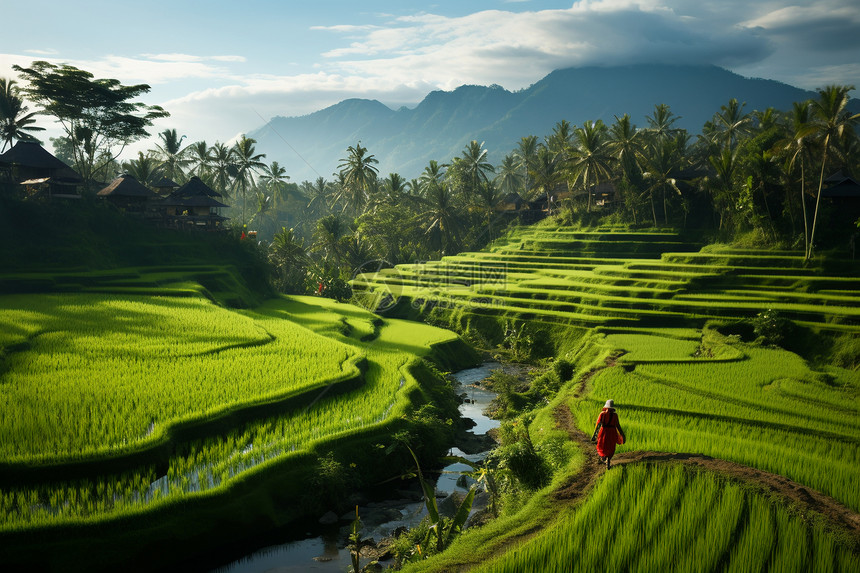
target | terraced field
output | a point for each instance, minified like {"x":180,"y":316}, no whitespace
{"x":609,"y":278}
{"x":125,"y":408}
{"x":651,"y":304}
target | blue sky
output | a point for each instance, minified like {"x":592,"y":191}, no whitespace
{"x":221,"y":68}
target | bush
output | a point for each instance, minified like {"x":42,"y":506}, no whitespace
{"x":772,"y":328}
{"x":563,"y":369}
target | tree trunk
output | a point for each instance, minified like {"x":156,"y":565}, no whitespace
{"x":811,"y":245}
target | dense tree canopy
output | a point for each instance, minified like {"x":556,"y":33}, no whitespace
{"x":99,"y":116}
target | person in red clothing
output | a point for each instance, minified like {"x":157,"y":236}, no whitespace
{"x":607,"y":433}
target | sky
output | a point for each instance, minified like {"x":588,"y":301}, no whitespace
{"x":225,"y":68}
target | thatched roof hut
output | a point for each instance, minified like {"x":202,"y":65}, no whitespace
{"x":127,"y":193}
{"x":29,"y":164}
{"x":193,"y":204}
{"x":126,"y":186}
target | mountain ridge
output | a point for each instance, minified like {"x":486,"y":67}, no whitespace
{"x":406,"y":139}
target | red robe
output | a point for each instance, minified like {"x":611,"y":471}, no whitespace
{"x":607,"y":438}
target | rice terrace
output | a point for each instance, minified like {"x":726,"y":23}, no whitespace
{"x":617,"y":349}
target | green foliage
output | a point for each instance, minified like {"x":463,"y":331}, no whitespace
{"x":772,"y":327}
{"x":563,"y":370}
{"x":97,"y":115}
{"x":518,"y":455}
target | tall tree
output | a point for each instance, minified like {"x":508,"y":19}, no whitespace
{"x":476,"y":170}
{"x":275,"y":177}
{"x":510,"y":179}
{"x":591,"y":159}
{"x":359,"y":173}
{"x":526,"y":155}
{"x":661,"y":122}
{"x":798,"y":148}
{"x":441,"y":218}
{"x":15,"y":122}
{"x":172,"y":155}
{"x":143,"y":168}
{"x":100,"y":116}
{"x":224,"y":168}
{"x":730,"y":123}
{"x":199,"y":159}
{"x":247,"y":162}
{"x":834,"y":125}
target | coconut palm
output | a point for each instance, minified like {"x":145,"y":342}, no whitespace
{"x":275,"y":177}
{"x":661,"y":122}
{"x":223,"y":168}
{"x":526,"y":155}
{"x":591,"y":159}
{"x":546,"y":172}
{"x":833,"y":126}
{"x":475,"y":168}
{"x":510,"y":179}
{"x":625,"y":145}
{"x":289,"y":257}
{"x":561,"y":139}
{"x":359,"y":177}
{"x":199,"y":157}
{"x":143,"y":168}
{"x":798,"y":146}
{"x":15,"y":122}
{"x":433,"y":174}
{"x":171,"y":154}
{"x":247,"y":162}
{"x":441,"y":218}
{"x":730,"y":123}
{"x":662,"y":159}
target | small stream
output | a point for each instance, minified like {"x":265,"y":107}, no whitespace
{"x":324,"y":549}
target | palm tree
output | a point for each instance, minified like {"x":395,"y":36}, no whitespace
{"x":359,"y":176}
{"x":441,"y":218}
{"x":433,"y":174}
{"x":223,"y":167}
{"x":328,"y":237}
{"x":317,"y":193}
{"x":393,"y":189}
{"x":526,"y":154}
{"x":546,"y":172}
{"x":559,"y":142}
{"x":475,"y":167}
{"x":591,"y":160}
{"x":15,"y":122}
{"x":625,"y":145}
{"x":833,"y":125}
{"x":199,"y":158}
{"x":798,"y":146}
{"x":288,"y":255}
{"x":172,"y":155}
{"x":143,"y":168}
{"x":731,"y":123}
{"x":247,"y":162}
{"x":661,"y":121}
{"x":275,"y":177}
{"x":509,"y":180}
{"x":662,"y":159}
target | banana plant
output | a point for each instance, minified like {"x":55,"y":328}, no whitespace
{"x":443,"y":531}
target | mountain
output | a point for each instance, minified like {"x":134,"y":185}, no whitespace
{"x":405,"y":140}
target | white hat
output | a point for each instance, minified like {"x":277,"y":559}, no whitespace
{"x":609,"y":404}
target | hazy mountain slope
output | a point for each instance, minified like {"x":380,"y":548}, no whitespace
{"x":444,"y":122}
